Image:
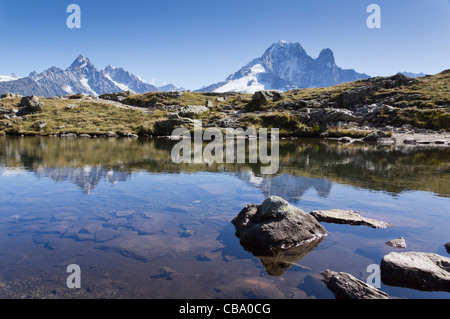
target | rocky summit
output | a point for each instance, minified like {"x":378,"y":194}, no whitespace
{"x":286,"y":66}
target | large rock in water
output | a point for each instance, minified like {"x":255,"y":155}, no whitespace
{"x":275,"y":225}
{"x":416,"y":270}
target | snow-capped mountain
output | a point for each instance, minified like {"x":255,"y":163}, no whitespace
{"x":80,"y":77}
{"x":127,"y":81}
{"x":286,"y":66}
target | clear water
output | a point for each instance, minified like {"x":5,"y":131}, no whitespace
{"x":140,"y":226}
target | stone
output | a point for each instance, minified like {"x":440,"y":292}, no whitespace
{"x":40,"y":124}
{"x":166,"y":273}
{"x":397,"y":243}
{"x":350,"y":217}
{"x":111,"y":134}
{"x":267,"y":95}
{"x":104,"y":234}
{"x":193,"y":111}
{"x":69,"y":135}
{"x":416,"y":270}
{"x":172,"y":116}
{"x":116,"y":96}
{"x":329,"y":115}
{"x":346,"y":286}
{"x":30,"y":104}
{"x":409,"y":141}
{"x":375,"y":135}
{"x":345,"y":140}
{"x":166,"y":127}
{"x":9,"y":95}
{"x":447,"y":246}
{"x":209,"y":103}
{"x":275,"y":225}
{"x":250,"y":288}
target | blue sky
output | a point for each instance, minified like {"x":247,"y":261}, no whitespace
{"x":191,"y":43}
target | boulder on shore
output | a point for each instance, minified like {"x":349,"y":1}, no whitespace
{"x":275,"y":225}
{"x":267,"y":95}
{"x":166,"y":127}
{"x":30,"y":104}
{"x":339,"y":216}
{"x":416,"y":270}
{"x":193,"y":111}
{"x":345,"y":286}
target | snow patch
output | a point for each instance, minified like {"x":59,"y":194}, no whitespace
{"x":123,"y":87}
{"x":68,"y":89}
{"x":5,"y":78}
{"x":246,"y":84}
{"x":84,"y":82}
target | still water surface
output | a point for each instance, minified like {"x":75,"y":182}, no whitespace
{"x":140,"y":226}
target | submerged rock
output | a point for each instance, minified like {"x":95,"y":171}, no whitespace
{"x":339,"y":216}
{"x":275,"y":225}
{"x":250,"y":288}
{"x":416,"y":270}
{"x":345,"y":286}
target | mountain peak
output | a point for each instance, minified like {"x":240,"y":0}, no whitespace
{"x":284,"y":47}
{"x":285,"y":66}
{"x":326,"y":56}
{"x":81,"y":61}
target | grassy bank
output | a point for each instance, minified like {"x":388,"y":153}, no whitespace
{"x":421,"y":103}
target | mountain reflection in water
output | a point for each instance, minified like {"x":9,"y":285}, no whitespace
{"x":142,"y":226}
{"x":304,"y":164}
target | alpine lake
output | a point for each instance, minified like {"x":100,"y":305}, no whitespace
{"x":140,"y":226}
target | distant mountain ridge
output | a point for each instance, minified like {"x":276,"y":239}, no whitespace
{"x":285,"y":66}
{"x":80,"y":77}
